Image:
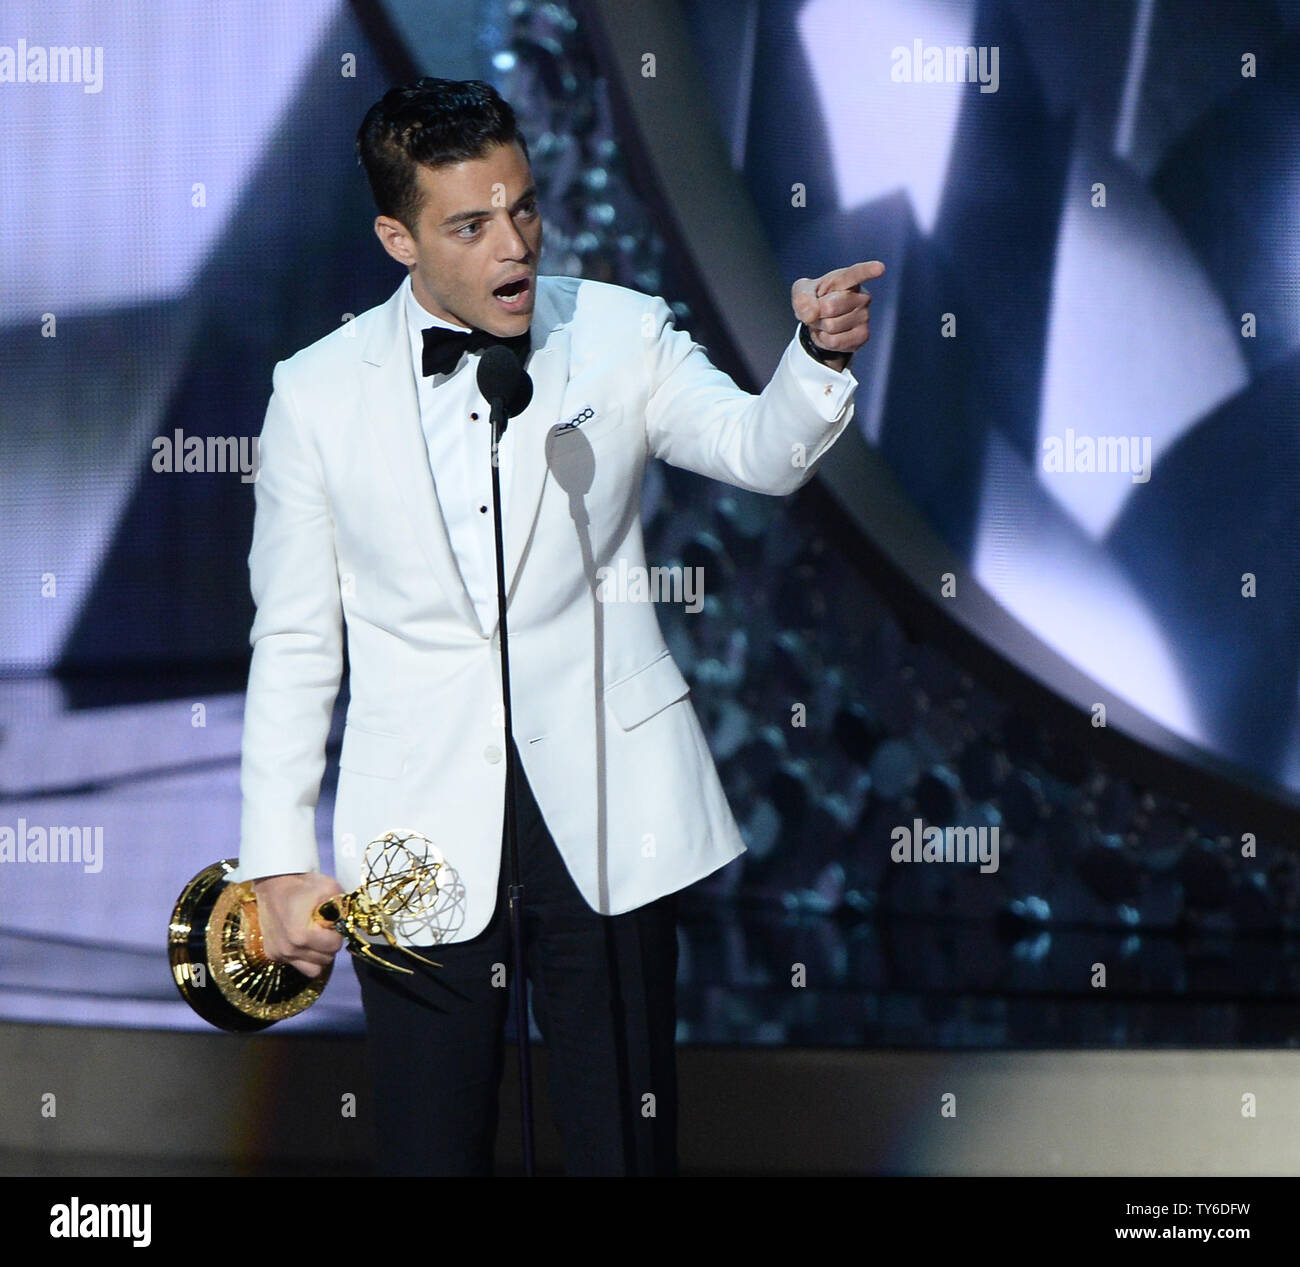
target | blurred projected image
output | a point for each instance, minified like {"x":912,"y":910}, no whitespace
{"x":1085,"y":371}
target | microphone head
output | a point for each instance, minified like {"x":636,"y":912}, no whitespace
{"x":502,"y":378}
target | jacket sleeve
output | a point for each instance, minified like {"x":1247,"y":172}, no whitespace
{"x":697,"y":418}
{"x":297,"y":639}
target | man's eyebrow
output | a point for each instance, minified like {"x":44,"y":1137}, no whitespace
{"x":530,"y":192}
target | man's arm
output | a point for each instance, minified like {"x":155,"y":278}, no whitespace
{"x":697,"y":418}
{"x":297,"y":638}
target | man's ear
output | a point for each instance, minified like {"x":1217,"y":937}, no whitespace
{"x":396,"y":239}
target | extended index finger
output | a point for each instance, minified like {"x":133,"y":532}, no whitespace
{"x":847,"y":278}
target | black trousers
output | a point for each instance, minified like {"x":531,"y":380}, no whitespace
{"x":604,"y":997}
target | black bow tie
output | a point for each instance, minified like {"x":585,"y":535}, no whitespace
{"x":443,"y":347}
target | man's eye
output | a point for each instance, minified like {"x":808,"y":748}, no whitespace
{"x":529,"y":207}
{"x":473,"y":224}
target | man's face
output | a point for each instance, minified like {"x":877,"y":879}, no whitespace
{"x":479,"y":227}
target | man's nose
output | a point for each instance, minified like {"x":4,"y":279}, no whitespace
{"x":512,"y":244}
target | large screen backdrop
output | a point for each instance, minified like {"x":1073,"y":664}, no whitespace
{"x":1084,"y":368}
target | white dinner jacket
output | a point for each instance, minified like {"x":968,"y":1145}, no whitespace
{"x":348,"y":536}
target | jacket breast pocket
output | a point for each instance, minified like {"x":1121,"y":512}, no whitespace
{"x":566,"y":438}
{"x":370,"y":752}
{"x":649,"y":690}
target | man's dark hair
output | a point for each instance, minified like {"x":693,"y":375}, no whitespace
{"x":429,"y":123}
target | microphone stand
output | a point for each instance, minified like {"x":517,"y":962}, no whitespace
{"x":516,"y":889}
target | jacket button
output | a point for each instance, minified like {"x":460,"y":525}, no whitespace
{"x":492,"y":753}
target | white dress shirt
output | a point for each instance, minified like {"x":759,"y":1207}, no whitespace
{"x":460,"y":456}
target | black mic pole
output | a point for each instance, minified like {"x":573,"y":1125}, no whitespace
{"x":507,"y":389}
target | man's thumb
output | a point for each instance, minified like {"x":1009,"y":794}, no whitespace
{"x":804,"y":298}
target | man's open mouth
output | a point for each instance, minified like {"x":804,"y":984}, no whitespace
{"x":513,"y":294}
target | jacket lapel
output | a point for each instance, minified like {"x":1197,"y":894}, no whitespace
{"x":548,"y":367}
{"x":393,"y":416}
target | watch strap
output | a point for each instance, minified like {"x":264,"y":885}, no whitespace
{"x":821,"y":355}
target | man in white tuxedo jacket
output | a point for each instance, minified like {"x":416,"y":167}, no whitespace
{"x":373,"y":524}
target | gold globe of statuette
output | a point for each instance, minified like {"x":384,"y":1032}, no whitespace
{"x":214,"y":942}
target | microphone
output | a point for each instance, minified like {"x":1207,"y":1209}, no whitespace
{"x":504,"y":382}
{"x":508,"y":389}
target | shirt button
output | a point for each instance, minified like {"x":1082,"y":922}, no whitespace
{"x":473,"y":417}
{"x":828,"y":391}
{"x":492,"y":753}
